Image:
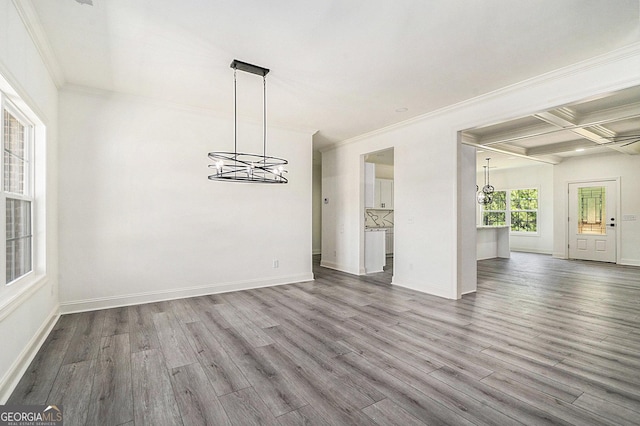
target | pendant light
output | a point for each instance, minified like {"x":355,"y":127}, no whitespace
{"x":485,"y":195}
{"x":244,"y":167}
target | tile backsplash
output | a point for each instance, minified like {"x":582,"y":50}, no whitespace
{"x":374,"y":218}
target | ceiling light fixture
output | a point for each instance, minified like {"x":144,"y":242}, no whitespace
{"x":579,"y":149}
{"x":485,"y":195}
{"x":242,"y":167}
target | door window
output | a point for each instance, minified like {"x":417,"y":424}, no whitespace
{"x":591,"y":210}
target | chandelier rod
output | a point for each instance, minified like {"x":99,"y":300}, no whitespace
{"x":264,"y":118}
{"x":235,"y":116}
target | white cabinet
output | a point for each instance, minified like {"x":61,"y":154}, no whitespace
{"x":389,"y":241}
{"x":369,"y":185}
{"x":383,"y":198}
{"x":374,"y":250}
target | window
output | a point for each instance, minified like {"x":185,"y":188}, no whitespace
{"x":17,"y":192}
{"x":524,"y":210}
{"x":495,"y":213}
{"x":516,"y":208}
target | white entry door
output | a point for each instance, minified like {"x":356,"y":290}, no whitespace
{"x":592,"y":220}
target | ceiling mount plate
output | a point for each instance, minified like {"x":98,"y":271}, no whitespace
{"x":253,"y":69}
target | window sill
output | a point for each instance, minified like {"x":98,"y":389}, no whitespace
{"x":29,"y":284}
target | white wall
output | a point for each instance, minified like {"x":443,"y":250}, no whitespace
{"x":535,"y":176}
{"x":28,"y":311}
{"x":467,"y":235}
{"x":428,"y":216}
{"x":614,"y":165}
{"x":142,"y":222}
{"x":317,"y":205}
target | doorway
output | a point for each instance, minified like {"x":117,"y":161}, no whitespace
{"x":378,"y":212}
{"x":592,"y":220}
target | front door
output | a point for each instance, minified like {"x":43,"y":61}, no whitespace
{"x":592,"y":220}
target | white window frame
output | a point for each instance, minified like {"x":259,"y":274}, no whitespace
{"x":508,"y":212}
{"x":29,"y":189}
{"x":524,"y":233}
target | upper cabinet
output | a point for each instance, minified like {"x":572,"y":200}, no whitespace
{"x":383,"y":194}
{"x":378,"y":193}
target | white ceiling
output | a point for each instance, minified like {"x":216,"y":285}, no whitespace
{"x":342,"y":68}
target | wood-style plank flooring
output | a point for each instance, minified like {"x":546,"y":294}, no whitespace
{"x":543,"y":341}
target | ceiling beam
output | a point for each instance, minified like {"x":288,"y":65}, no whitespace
{"x":560,"y":119}
{"x":514,"y":134}
{"x":547,"y":160}
{"x":559,"y":147}
{"x":573,"y":127}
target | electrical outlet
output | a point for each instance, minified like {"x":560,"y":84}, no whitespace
{"x":276,"y":263}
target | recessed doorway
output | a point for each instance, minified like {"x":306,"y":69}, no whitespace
{"x":378,"y":213}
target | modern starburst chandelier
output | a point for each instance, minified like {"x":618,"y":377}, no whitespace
{"x":485,"y":195}
{"x":242,"y":167}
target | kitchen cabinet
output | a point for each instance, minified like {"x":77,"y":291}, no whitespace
{"x":383,"y":197}
{"x":389,"y":241}
{"x":374,"y":250}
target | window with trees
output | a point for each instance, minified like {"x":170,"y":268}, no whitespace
{"x":17,"y":191}
{"x":516,"y":208}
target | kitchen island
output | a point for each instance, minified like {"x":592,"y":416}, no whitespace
{"x":492,"y":241}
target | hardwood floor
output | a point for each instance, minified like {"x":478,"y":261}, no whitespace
{"x":543,"y":341}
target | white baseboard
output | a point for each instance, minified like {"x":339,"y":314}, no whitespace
{"x":559,"y":255}
{"x":629,"y":262}
{"x":10,"y":380}
{"x":336,"y":267}
{"x":528,"y":250}
{"x":158,"y":296}
{"x":419,"y":290}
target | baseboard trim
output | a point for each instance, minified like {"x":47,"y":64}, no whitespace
{"x":629,"y":262}
{"x":559,"y":255}
{"x":409,"y":287}
{"x":527,"y":250}
{"x":336,"y":267}
{"x":10,"y":380}
{"x":158,"y":296}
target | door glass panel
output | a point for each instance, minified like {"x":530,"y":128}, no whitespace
{"x":591,"y":210}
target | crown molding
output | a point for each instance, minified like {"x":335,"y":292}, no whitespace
{"x":629,"y":51}
{"x":34,"y":27}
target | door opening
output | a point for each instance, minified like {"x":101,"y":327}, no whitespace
{"x":379,"y":213}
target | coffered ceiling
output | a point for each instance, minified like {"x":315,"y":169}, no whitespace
{"x":610,"y":122}
{"x":341,"y":68}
